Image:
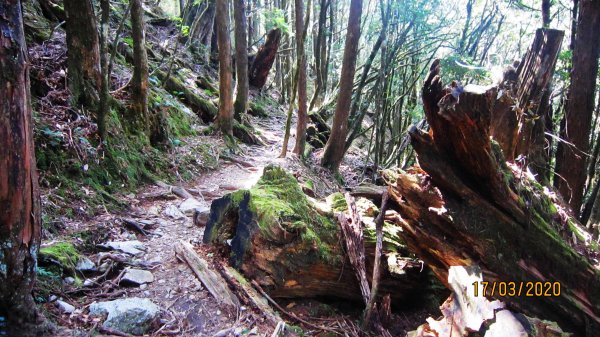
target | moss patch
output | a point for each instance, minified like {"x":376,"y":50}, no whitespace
{"x":63,"y":252}
{"x":278,"y":201}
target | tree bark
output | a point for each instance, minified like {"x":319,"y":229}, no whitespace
{"x":139,"y":81}
{"x":260,"y":68}
{"x":465,"y":205}
{"x":83,"y":55}
{"x":571,"y":159}
{"x":20,"y":219}
{"x":241,"y":58}
{"x":301,"y":32}
{"x":278,"y":238}
{"x":225,"y":116}
{"x":334,"y":149}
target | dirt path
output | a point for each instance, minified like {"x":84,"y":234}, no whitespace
{"x":187,"y":308}
{"x":175,"y":289}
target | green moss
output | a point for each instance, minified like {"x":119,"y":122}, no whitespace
{"x":391,"y":238}
{"x":64,"y":252}
{"x":338,"y":202}
{"x":278,"y":201}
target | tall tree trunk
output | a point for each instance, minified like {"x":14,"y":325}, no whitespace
{"x":334,"y":149}
{"x":320,"y":54}
{"x":241,"y":58}
{"x":225,"y":117}
{"x":571,"y":159}
{"x":140,"y":67}
{"x":103,"y":105}
{"x":546,"y":13}
{"x":83,"y":55}
{"x":20,"y":222}
{"x":301,"y":32}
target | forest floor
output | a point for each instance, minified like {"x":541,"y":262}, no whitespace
{"x":187,"y":308}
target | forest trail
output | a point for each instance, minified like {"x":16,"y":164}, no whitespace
{"x":187,"y":307}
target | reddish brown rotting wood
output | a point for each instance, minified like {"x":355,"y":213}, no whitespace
{"x":261,"y":66}
{"x":465,"y":206}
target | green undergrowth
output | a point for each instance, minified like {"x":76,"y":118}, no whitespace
{"x":74,"y":167}
{"x":278,"y":200}
{"x":55,"y":262}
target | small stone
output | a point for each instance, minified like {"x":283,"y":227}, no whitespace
{"x":161,"y":281}
{"x":104,"y":267}
{"x":85,"y":265}
{"x":88,"y":283}
{"x":201,"y":216}
{"x":147,"y":293}
{"x":132,"y":247}
{"x":69,"y":280}
{"x":143,"y":286}
{"x":52,"y":298}
{"x":130,"y":315}
{"x":174,"y":212}
{"x":64,"y":307}
{"x":190,"y":205}
{"x":137,"y":277}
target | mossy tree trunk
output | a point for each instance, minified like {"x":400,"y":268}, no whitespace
{"x":464,"y":205}
{"x":139,"y":82}
{"x":225,"y":116}
{"x":83,"y":47}
{"x":278,"y":238}
{"x":20,"y":222}
{"x":241,"y":58}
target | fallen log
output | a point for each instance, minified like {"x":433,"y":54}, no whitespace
{"x":213,"y":282}
{"x":265,"y":57}
{"x":465,"y":205}
{"x":278,"y":238}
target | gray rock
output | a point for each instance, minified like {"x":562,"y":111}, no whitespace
{"x":69,"y":280}
{"x":190,"y":205}
{"x":201,"y":216}
{"x":130,"y":315}
{"x":132,"y":247}
{"x":64,"y":307}
{"x":88,"y":283}
{"x":137,"y":277}
{"x":85,"y":265}
{"x":174,"y":212}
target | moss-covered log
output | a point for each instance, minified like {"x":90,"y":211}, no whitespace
{"x":465,"y":205}
{"x":279,"y":238}
{"x":204,"y":108}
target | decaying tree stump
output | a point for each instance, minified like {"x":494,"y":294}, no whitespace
{"x":464,"y":205}
{"x":260,"y":67}
{"x":294,"y":249}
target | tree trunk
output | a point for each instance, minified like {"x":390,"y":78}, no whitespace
{"x":104,"y":104}
{"x":225,"y":117}
{"x":320,"y":55}
{"x":334,"y":149}
{"x":201,"y":21}
{"x":465,"y":205}
{"x":260,"y":68}
{"x":278,"y":238}
{"x":571,"y":159}
{"x":241,"y":59}
{"x":83,"y":55}
{"x":20,"y":219}
{"x":301,"y":32}
{"x":139,"y":81}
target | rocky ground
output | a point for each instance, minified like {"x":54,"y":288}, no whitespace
{"x":131,"y":281}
